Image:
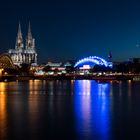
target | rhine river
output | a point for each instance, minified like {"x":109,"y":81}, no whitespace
{"x":74,"y":110}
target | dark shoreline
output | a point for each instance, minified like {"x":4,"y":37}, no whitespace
{"x":99,"y":78}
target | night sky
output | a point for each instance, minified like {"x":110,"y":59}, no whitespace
{"x":72,"y":29}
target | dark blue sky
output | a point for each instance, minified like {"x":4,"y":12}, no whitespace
{"x":72,"y":29}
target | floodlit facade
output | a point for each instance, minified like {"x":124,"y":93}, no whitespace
{"x":24,"y":54}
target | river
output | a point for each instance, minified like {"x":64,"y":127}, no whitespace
{"x":69,"y":109}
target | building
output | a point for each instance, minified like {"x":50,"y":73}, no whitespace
{"x":54,"y":65}
{"x":24,"y":54}
{"x":134,"y":60}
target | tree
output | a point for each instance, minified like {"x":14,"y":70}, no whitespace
{"x":47,"y":69}
{"x":24,"y":69}
{"x":69,"y":69}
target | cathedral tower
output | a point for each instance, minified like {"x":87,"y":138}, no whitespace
{"x":30,"y":42}
{"x":19,"y":40}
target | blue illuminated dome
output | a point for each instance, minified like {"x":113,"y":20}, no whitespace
{"x":92,"y":59}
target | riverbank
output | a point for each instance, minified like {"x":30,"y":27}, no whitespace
{"x":77,"y":77}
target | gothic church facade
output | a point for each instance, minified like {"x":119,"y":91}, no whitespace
{"x":24,"y":54}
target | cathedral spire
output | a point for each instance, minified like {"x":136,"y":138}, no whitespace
{"x":19,"y":31}
{"x":29,"y":39}
{"x":19,"y":39}
{"x":29,"y":36}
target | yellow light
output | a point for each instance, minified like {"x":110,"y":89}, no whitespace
{"x":1,"y":70}
{"x":2,"y":88}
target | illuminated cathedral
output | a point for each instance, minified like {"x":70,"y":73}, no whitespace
{"x":24,"y":54}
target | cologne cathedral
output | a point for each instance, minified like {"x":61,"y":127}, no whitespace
{"x":24,"y":54}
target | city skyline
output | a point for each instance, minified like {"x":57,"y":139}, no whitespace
{"x":74,"y":29}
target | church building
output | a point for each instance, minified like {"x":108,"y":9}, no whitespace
{"x":24,"y":54}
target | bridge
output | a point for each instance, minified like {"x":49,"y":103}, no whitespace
{"x":93,"y":59}
{"x":6,"y":61}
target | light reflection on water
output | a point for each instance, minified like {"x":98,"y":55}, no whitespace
{"x":92,"y":109}
{"x":37,"y":86}
{"x":3,"y":115}
{"x":84,"y":109}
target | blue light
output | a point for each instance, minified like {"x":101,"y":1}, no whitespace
{"x":94,"y":59}
{"x":92,"y":109}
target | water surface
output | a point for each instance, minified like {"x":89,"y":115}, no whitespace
{"x":76,"y":110}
